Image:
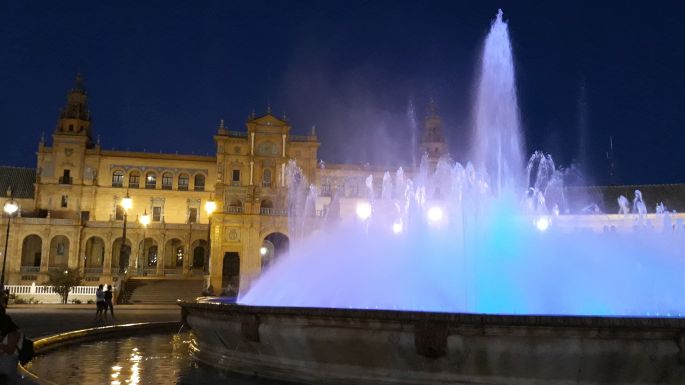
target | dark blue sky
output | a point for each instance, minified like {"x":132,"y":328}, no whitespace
{"x":160,"y":75}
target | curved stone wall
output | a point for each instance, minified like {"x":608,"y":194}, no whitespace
{"x":340,"y":346}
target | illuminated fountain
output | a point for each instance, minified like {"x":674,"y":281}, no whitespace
{"x":463,"y":274}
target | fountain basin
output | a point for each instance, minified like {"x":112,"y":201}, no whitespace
{"x":350,"y":346}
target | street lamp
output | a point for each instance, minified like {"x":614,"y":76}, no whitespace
{"x":126,"y":204}
{"x":144,"y":221}
{"x":210,"y":207}
{"x":10,"y":208}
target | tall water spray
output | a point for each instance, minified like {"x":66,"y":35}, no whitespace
{"x":487,"y":237}
{"x":498,"y":145}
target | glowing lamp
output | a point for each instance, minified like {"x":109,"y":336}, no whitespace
{"x":397,"y":227}
{"x":144,"y":219}
{"x":126,"y":203}
{"x":210,"y":207}
{"x":10,"y":207}
{"x":435,"y":214}
{"x":542,"y":223}
{"x":363,"y":210}
{"x":263,"y":251}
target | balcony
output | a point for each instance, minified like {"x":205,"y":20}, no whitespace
{"x":66,"y":180}
{"x":270,"y":211}
{"x":182,"y":187}
{"x":93,"y":270}
{"x":166,"y":187}
{"x":133,"y":185}
{"x":200,"y":187}
{"x":29,"y":269}
{"x":116,"y":183}
{"x":234,"y":210}
{"x":235,"y":183}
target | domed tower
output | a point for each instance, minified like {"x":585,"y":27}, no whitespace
{"x":74,"y":119}
{"x":433,"y":140}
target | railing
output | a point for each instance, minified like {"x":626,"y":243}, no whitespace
{"x":134,"y":184}
{"x":29,"y":269}
{"x":302,"y":138}
{"x":92,"y":270}
{"x":65,"y":180}
{"x":150,"y":271}
{"x":150,"y":185}
{"x":266,"y":184}
{"x":166,"y":187}
{"x":234,"y":210}
{"x":57,"y":269}
{"x":117,"y":184}
{"x":46,"y":290}
{"x":235,"y":183}
{"x":237,"y":134}
{"x":199,"y":187}
{"x":269,"y":211}
{"x":182,"y":187}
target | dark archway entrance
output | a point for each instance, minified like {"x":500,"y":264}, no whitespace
{"x":230,"y":275}
{"x":273,"y":246}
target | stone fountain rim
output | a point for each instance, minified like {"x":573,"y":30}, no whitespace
{"x":205,"y":306}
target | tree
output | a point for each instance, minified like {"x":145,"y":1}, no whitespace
{"x":62,"y":282}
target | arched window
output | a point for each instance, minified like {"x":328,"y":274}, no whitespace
{"x":183,"y":182}
{"x":134,"y":179}
{"x":118,"y":178}
{"x":266,"y":178}
{"x":199,"y":182}
{"x":167,"y":181}
{"x":151,"y":180}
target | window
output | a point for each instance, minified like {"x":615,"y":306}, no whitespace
{"x":134,"y":179}
{"x":119,"y":213}
{"x":199,"y":182}
{"x":151,"y":180}
{"x":235,"y":177}
{"x":61,"y":248}
{"x":192,"y":215}
{"x":118,"y":178}
{"x":85,"y":216}
{"x":65,"y":201}
{"x":156,"y":214}
{"x":66,"y":177}
{"x":167,"y":181}
{"x":266,"y":178}
{"x":183,"y":182}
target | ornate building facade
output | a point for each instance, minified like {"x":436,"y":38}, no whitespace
{"x":74,"y":206}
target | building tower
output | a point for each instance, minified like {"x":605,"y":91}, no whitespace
{"x":433,"y":140}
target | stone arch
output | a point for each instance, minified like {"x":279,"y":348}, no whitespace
{"x":174,"y":253}
{"x":116,"y":252}
{"x":230,"y":273}
{"x":94,"y":252}
{"x":273,"y":246}
{"x":199,"y":253}
{"x":59,"y":251}
{"x":31,"y":249}
{"x":199,"y":180}
{"x":148,"y":253}
{"x":134,"y":178}
{"x":266,"y":203}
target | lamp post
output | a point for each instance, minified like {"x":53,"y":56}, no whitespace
{"x":210,"y":207}
{"x":144,"y":220}
{"x":126,"y":204}
{"x":10,"y":208}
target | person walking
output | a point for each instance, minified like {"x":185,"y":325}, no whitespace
{"x":108,"y":302}
{"x":100,"y":304}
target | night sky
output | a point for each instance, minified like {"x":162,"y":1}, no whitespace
{"x":160,"y":75}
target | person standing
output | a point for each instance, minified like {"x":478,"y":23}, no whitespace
{"x":108,"y":301}
{"x":8,"y":349}
{"x":100,"y":303}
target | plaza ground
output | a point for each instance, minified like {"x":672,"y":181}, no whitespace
{"x":46,"y":319}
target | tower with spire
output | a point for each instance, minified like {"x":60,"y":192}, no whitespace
{"x":70,"y":140}
{"x":433,"y":140}
{"x":74,"y":119}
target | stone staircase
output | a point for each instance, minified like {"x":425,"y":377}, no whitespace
{"x":161,"y":290}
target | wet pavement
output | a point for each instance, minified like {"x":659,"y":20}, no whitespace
{"x":45,"y":319}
